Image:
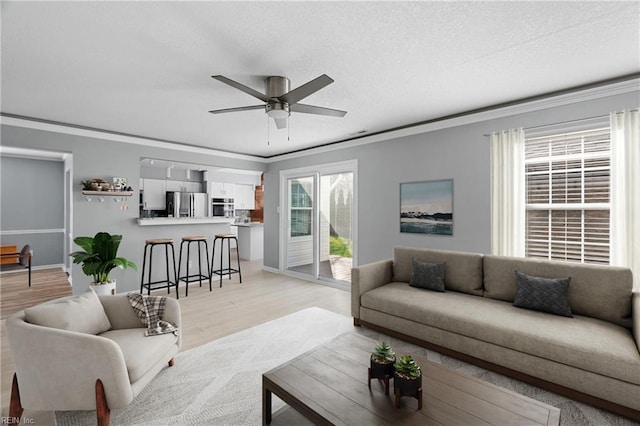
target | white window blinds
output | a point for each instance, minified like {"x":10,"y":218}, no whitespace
{"x":567,"y":181}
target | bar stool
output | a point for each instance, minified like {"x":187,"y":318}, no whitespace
{"x":199,"y":276}
{"x":149,"y":285}
{"x":228,"y":270}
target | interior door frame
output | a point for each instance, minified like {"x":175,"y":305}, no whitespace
{"x":349,"y":166}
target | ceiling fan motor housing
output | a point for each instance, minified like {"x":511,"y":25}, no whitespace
{"x":277,"y":86}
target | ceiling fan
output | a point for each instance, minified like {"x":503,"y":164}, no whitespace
{"x":279,"y":101}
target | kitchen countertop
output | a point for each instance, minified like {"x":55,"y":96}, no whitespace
{"x":150,"y":221}
{"x":247,"y":224}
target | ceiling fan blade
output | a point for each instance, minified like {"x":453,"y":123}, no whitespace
{"x":247,"y":108}
{"x":306,"y":89}
{"x":281,"y":123}
{"x":246,"y":89}
{"x":310,"y":109}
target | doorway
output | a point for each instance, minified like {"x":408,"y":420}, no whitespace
{"x":318,"y":223}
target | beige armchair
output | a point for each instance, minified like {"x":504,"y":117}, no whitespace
{"x":79,"y":361}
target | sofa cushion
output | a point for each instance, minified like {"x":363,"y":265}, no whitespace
{"x":587,"y":343}
{"x":543,"y":294}
{"x":82,"y":313}
{"x":429,"y":276}
{"x":141,"y":353}
{"x":463,"y":271}
{"x":602,"y":292}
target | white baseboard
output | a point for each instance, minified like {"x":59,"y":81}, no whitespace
{"x":270,"y":269}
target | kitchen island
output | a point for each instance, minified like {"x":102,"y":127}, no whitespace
{"x":176,"y":228}
{"x":250,"y":240}
{"x":154,"y":221}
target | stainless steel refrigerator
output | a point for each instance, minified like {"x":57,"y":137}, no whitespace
{"x":187,"y":204}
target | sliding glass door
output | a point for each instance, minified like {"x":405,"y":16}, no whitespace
{"x":301,"y":229}
{"x":318,"y":224}
{"x":336,"y":236}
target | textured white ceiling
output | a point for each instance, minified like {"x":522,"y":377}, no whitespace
{"x":144,"y":68}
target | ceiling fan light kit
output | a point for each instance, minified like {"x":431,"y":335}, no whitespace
{"x":280,"y":101}
{"x":277,"y":110}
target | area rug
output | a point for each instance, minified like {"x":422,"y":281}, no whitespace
{"x":220,"y":383}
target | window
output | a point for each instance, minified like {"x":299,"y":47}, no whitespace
{"x":567,"y":181}
{"x":301,"y":207}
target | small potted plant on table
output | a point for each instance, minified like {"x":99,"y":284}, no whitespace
{"x":98,"y":258}
{"x":407,"y":380}
{"x":382,"y":360}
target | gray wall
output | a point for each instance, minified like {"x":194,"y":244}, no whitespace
{"x":102,"y":158}
{"x":32,"y":199}
{"x":460,"y":153}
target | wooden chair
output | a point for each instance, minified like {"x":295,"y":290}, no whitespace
{"x":18,"y":261}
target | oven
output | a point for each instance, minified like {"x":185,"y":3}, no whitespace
{"x":222,"y":207}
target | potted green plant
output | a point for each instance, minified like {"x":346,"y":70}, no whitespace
{"x":87,"y":185}
{"x":98,"y":258}
{"x":381,"y":364}
{"x":407,"y":379}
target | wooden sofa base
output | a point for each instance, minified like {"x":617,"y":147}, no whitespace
{"x":561,"y":390}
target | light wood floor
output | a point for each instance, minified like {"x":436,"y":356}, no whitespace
{"x":206,"y":316}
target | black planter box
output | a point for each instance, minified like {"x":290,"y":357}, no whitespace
{"x":382,"y":372}
{"x":407,"y":387}
{"x":378,"y":371}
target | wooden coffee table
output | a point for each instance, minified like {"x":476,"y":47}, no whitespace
{"x":328,"y":385}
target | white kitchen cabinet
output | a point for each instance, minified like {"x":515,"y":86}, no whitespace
{"x":250,"y":240}
{"x":174,"y":185}
{"x":154,"y":196}
{"x":222,"y":190}
{"x":245,"y":198}
{"x":183,"y":186}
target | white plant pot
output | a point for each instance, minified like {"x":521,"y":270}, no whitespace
{"x":108,"y":288}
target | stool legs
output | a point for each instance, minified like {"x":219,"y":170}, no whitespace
{"x":149,"y":284}
{"x":186,"y":278}
{"x":229,"y":270}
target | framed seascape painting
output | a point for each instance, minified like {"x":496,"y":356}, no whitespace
{"x":427,"y":207}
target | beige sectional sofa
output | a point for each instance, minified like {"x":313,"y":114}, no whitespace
{"x":593,"y":356}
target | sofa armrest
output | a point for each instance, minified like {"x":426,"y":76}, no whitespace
{"x":367,"y":277}
{"x":635,"y":312}
{"x":57,"y":369}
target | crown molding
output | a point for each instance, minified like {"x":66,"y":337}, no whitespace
{"x":37,"y":124}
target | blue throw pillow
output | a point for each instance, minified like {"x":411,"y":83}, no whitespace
{"x":543,"y":294}
{"x":426,"y":275}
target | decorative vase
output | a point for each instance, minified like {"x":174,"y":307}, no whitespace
{"x":107,"y":288}
{"x":407,"y":387}
{"x":381,"y":370}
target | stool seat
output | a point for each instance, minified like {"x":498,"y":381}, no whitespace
{"x":225,"y":236}
{"x":159,"y":241}
{"x":194,"y":238}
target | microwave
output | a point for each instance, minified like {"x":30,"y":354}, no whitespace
{"x":222,"y":207}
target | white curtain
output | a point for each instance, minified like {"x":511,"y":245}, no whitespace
{"x":507,"y":193}
{"x":625,"y":191}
